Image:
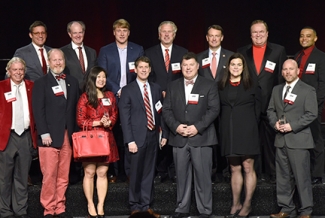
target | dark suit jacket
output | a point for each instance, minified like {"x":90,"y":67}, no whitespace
{"x":266,"y":80}
{"x":133,"y":113}
{"x":109,"y":59}
{"x":206,"y":72}
{"x":33,"y":64}
{"x":6,"y":113}
{"x":54,"y":114}
{"x":158,"y":73}
{"x":201,"y":115}
{"x":299,"y":115}
{"x":72,"y":64}
{"x":316,"y":80}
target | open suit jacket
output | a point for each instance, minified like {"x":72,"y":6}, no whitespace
{"x":317,"y":79}
{"x":158,"y":73}
{"x":54,"y":114}
{"x":72,"y":63}
{"x":201,"y":115}
{"x":299,"y":115}
{"x":266,"y":80}
{"x":133,"y":113}
{"x":6,"y":113}
{"x":109,"y":59}
{"x":206,"y":72}
{"x":33,"y":64}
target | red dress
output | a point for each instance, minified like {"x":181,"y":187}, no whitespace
{"x":87,"y":112}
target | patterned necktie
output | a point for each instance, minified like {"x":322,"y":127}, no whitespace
{"x":81,"y":60}
{"x":214,"y":65}
{"x":189,"y":82}
{"x":287,"y":91}
{"x":167,"y":60}
{"x":19,"y":112}
{"x":150,"y":123}
{"x":44,"y":66}
{"x":61,"y":76}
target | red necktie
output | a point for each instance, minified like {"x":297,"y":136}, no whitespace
{"x":61,"y":76}
{"x":150,"y":123}
{"x":44,"y":66}
{"x":167,"y":60}
{"x":81,"y":59}
{"x":214,"y":65}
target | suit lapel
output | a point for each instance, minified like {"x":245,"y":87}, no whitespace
{"x":33,"y":53}
{"x":74,"y":56}
{"x":161,"y":57}
{"x":222,"y":62}
{"x":207,"y":70}
{"x":138,"y":94}
{"x":268,"y":52}
{"x":250,"y":60}
{"x":116,"y":57}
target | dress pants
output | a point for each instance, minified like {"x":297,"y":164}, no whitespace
{"x":265,"y":162}
{"x":293,"y":169}
{"x":55,"y":165}
{"x":190,"y":159}
{"x":15,"y":162}
{"x":317,"y":154}
{"x":142,"y":172}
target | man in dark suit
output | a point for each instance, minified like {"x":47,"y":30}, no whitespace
{"x":190,"y":107}
{"x":311,"y":62}
{"x":79,"y":59}
{"x":212,"y":66}
{"x":140,"y":109}
{"x":117,"y":58}
{"x":292,"y":108}
{"x":18,"y":139}
{"x":264,"y":61}
{"x":55,"y":97}
{"x":165,"y":58}
{"x":35,"y":54}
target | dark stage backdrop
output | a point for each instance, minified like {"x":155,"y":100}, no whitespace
{"x":285,"y":19}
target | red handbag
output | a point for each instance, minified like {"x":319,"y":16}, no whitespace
{"x":90,"y":143}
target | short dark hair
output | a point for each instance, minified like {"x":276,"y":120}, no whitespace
{"x":216,"y":27}
{"x":142,"y":59}
{"x":36,"y":24}
{"x":190,"y":55}
{"x":310,"y":28}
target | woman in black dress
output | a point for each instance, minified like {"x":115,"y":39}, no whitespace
{"x":240,"y":111}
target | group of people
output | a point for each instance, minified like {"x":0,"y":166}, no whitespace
{"x":168,"y":112}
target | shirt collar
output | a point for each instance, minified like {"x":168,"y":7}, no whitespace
{"x":74,"y":46}
{"x":292,"y":85}
{"x":217,"y":51}
{"x":308,"y":50}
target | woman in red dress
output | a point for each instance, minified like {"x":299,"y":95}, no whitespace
{"x":98,"y":108}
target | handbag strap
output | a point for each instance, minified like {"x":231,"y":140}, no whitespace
{"x":85,"y":125}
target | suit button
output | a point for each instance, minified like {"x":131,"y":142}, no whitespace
{"x":186,"y":112}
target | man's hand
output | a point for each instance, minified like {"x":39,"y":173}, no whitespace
{"x":285,"y":128}
{"x":181,"y":129}
{"x":133,"y":148}
{"x":163,"y":142}
{"x":191,"y":131}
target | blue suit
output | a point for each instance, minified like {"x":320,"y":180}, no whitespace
{"x":109,"y":59}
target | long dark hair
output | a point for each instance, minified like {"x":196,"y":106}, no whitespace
{"x":245,"y":76}
{"x":90,"y":88}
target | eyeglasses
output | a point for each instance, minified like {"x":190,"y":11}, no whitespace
{"x":39,"y":33}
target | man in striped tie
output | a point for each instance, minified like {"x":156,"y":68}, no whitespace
{"x":140,"y":114}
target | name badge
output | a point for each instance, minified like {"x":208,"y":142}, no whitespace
{"x":290,"y":98}
{"x":106,"y":101}
{"x":193,"y":99}
{"x":176,"y":67}
{"x":158,"y":107}
{"x":57,"y":90}
{"x":205,"y":63}
{"x":10,"y":96}
{"x":269,"y":66}
{"x":131,"y":67}
{"x":311,"y":68}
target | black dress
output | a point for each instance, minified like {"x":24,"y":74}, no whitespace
{"x":239,"y":116}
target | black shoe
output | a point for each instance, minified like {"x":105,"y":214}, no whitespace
{"x":179,"y":215}
{"x":316,"y":180}
{"x":204,"y":216}
{"x":64,"y":215}
{"x":227,"y":178}
{"x":23,"y":216}
{"x":232,"y":215}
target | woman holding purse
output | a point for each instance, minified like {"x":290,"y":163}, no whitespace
{"x":98,"y":110}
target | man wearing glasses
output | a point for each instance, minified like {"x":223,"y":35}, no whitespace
{"x":35,"y":54}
